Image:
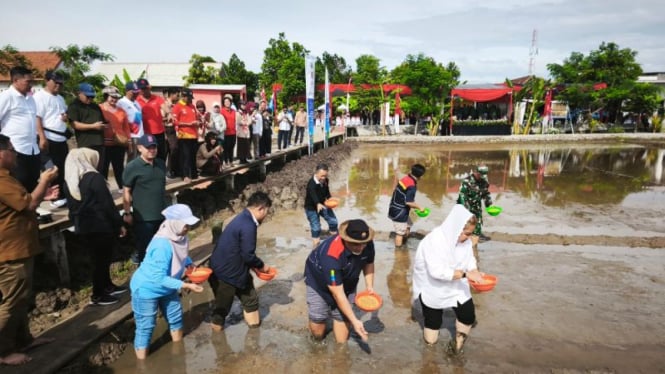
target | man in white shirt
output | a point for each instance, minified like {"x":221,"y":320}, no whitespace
{"x":52,"y":119}
{"x":18,"y":115}
{"x":134,"y":116}
{"x":284,"y":121}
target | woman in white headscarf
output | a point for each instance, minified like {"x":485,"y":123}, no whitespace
{"x":156,"y":282}
{"x":96,"y":219}
{"x":443,"y":265}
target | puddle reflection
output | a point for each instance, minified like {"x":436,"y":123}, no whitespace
{"x":554,"y":176}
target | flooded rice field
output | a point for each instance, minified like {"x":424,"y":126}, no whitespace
{"x":578,"y":249}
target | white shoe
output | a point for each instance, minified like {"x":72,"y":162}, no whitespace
{"x":58,"y":203}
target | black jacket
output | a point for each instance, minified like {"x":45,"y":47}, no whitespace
{"x":95,"y":212}
{"x":316,"y":194}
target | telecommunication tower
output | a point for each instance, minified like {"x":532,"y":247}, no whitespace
{"x":533,"y":52}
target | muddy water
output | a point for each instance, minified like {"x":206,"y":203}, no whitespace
{"x":578,"y":251}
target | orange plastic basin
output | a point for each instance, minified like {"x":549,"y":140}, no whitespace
{"x":272,"y":272}
{"x":331,"y":203}
{"x":488,"y":283}
{"x":199,"y":275}
{"x":368,"y":302}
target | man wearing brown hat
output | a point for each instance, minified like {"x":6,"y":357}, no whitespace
{"x":332,"y":272}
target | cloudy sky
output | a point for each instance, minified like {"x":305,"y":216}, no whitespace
{"x":489,"y":40}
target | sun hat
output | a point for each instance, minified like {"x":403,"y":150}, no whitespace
{"x":356,"y":231}
{"x":111,"y":91}
{"x":180,"y":212}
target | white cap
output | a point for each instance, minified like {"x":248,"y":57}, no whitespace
{"x":180,"y":212}
{"x":215,"y":104}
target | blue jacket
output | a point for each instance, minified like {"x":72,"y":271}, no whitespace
{"x":152,"y":279}
{"x":235,"y":252}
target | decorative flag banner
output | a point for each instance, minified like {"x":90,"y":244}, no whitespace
{"x":309,"y":91}
{"x":326,"y":120}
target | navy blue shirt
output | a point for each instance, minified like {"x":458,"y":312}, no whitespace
{"x":405,"y":192}
{"x":332,"y":264}
{"x":235,"y":252}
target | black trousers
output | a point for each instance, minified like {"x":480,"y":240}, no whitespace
{"x":229,"y":148}
{"x":266,"y":142}
{"x":100,"y":246}
{"x":173,"y":162}
{"x":114,"y":155}
{"x":161,"y":146}
{"x":243,"y":149}
{"x":57,"y":153}
{"x":300,"y":131}
{"x":188,"y":149}
{"x":28,"y":168}
{"x":465,"y":313}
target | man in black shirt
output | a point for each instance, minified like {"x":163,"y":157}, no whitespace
{"x":88,"y":121}
{"x":317,"y":194}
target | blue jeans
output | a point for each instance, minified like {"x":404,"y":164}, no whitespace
{"x":315,"y":223}
{"x":145,"y":316}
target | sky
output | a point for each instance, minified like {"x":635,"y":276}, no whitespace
{"x":489,"y":40}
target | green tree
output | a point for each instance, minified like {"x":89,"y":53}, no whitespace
{"x":235,"y":72}
{"x":284,"y":63}
{"x":76,"y":63}
{"x":609,"y":64}
{"x":369,"y":72}
{"x":430,"y":83}
{"x":10,"y":57}
{"x":338,"y":70}
{"x":200,"y":73}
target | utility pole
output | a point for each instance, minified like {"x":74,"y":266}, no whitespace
{"x":533,"y":52}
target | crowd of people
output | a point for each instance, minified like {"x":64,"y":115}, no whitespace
{"x":149,"y":126}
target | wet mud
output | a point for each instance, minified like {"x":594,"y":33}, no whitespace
{"x":581,"y":286}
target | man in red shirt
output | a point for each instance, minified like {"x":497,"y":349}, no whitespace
{"x":186,"y":122}
{"x":153,"y":121}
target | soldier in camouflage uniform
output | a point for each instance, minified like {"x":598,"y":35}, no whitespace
{"x":473,"y":190}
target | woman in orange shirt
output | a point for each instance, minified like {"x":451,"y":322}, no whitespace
{"x":116,"y":135}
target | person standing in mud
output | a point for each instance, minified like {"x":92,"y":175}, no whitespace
{"x":231,"y":260}
{"x":157,"y":282}
{"x":403,"y":199}
{"x":317,"y":193}
{"x":443,"y":264}
{"x":19,"y":231}
{"x":332,"y":272}
{"x":473,"y":191}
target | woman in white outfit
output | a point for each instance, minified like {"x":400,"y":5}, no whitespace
{"x":442,"y":267}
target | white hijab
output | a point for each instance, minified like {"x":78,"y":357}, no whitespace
{"x":171,"y":229}
{"x":439,"y":254}
{"x":79,"y":162}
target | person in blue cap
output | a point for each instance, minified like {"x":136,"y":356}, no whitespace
{"x":87,"y":119}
